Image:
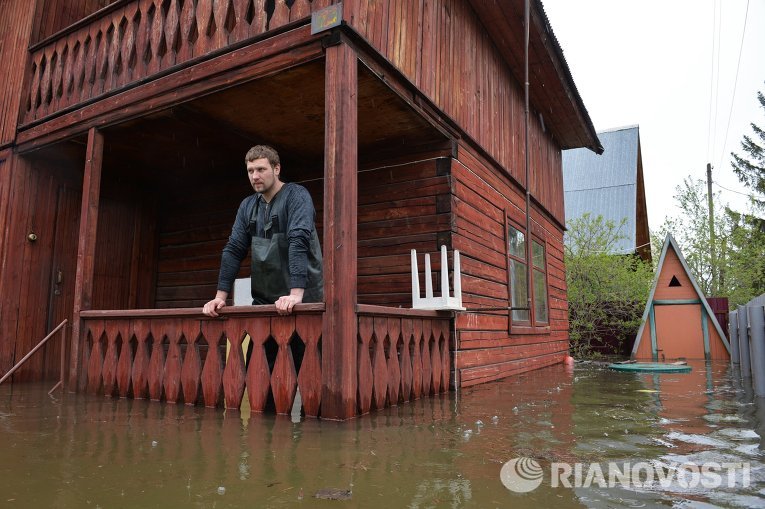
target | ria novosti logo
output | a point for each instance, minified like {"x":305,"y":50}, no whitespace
{"x":523,"y":475}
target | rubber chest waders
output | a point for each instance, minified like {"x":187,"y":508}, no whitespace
{"x":270,"y":276}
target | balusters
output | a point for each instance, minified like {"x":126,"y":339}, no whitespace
{"x":45,"y":80}
{"x":157,"y":361}
{"x":191,"y":364}
{"x":143,"y":38}
{"x":284,"y":377}
{"x":258,"y":374}
{"x":96,"y":357}
{"x":435,"y":356}
{"x":171,"y":380}
{"x":241,"y":29}
{"x":33,"y":102}
{"x":300,"y":9}
{"x":417,"y":359}
{"x":57,"y":88}
{"x":280,"y":16}
{"x":365,"y":377}
{"x":394,"y":362}
{"x":140,"y":374}
{"x":89,"y":72}
{"x":398,"y":359}
{"x":128,"y":54}
{"x":212,"y":373}
{"x":406,"y":359}
{"x":103,"y":39}
{"x":259,"y":17}
{"x":109,"y":370}
{"x":172,"y":28}
{"x":427,"y":366}
{"x":125,"y":362}
{"x":233,"y":373}
{"x":445,"y":360}
{"x":204,"y":20}
{"x":379,"y":364}
{"x":308,"y":327}
{"x":144,"y":52}
{"x":219,"y":38}
{"x":68,"y":74}
{"x":156,"y":37}
{"x":114,"y":64}
{"x":189,"y":31}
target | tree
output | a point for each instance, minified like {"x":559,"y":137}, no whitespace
{"x":607,"y":292}
{"x":750,"y":167}
{"x":691,"y":231}
{"x":739,"y":260}
{"x":746,"y":258}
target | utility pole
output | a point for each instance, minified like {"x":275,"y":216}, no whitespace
{"x":715,"y":288}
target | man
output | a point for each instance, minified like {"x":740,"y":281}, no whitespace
{"x":277,"y":225}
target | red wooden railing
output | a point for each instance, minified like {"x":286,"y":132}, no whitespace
{"x":402,"y":355}
{"x":178,"y":356}
{"x":134,"y":40}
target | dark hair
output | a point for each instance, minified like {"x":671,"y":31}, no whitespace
{"x":261,"y":151}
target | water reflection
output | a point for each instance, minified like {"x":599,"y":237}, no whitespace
{"x":79,"y":450}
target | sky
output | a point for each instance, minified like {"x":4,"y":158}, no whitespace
{"x":669,"y":66}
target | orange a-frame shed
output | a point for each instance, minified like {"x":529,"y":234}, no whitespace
{"x":677,"y":321}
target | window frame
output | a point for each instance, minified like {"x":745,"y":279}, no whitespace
{"x":543,"y":243}
{"x":530,"y":326}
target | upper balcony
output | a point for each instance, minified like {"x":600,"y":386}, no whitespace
{"x":130,"y":42}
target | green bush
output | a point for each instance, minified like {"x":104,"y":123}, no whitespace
{"x":607,"y":290}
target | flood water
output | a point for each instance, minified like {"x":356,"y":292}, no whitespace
{"x":84,"y":451}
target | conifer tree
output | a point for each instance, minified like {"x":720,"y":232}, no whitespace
{"x":750,"y":166}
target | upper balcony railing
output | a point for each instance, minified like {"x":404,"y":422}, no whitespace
{"x":131,"y":41}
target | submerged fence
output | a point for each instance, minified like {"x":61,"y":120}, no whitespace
{"x":747,"y":340}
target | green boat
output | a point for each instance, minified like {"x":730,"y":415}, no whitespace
{"x":652,"y":367}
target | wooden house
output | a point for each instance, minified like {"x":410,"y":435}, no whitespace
{"x":123,"y":125}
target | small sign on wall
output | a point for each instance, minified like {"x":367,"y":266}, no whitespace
{"x":326,"y":18}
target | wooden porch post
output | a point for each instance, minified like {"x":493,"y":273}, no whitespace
{"x":83,"y":289}
{"x":338,"y":399}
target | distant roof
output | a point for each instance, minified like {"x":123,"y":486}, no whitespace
{"x":605,"y":184}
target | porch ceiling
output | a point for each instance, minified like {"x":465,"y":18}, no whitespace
{"x":286,"y":110}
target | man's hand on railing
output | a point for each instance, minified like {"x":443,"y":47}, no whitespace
{"x":285,"y":303}
{"x":212,"y":307}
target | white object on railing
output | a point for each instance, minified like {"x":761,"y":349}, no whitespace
{"x":444,"y":301}
{"x":242,"y":294}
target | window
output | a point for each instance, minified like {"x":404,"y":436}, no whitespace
{"x":517,"y":251}
{"x":540,"y":283}
{"x":538,"y":317}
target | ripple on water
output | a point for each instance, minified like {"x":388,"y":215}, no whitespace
{"x":697,"y":439}
{"x":723,"y":418}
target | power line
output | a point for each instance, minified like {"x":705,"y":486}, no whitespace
{"x":735,"y":83}
{"x":733,"y":190}
{"x":714,"y":78}
{"x":712,"y":75}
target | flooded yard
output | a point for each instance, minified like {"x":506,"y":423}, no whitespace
{"x":589,"y":437}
